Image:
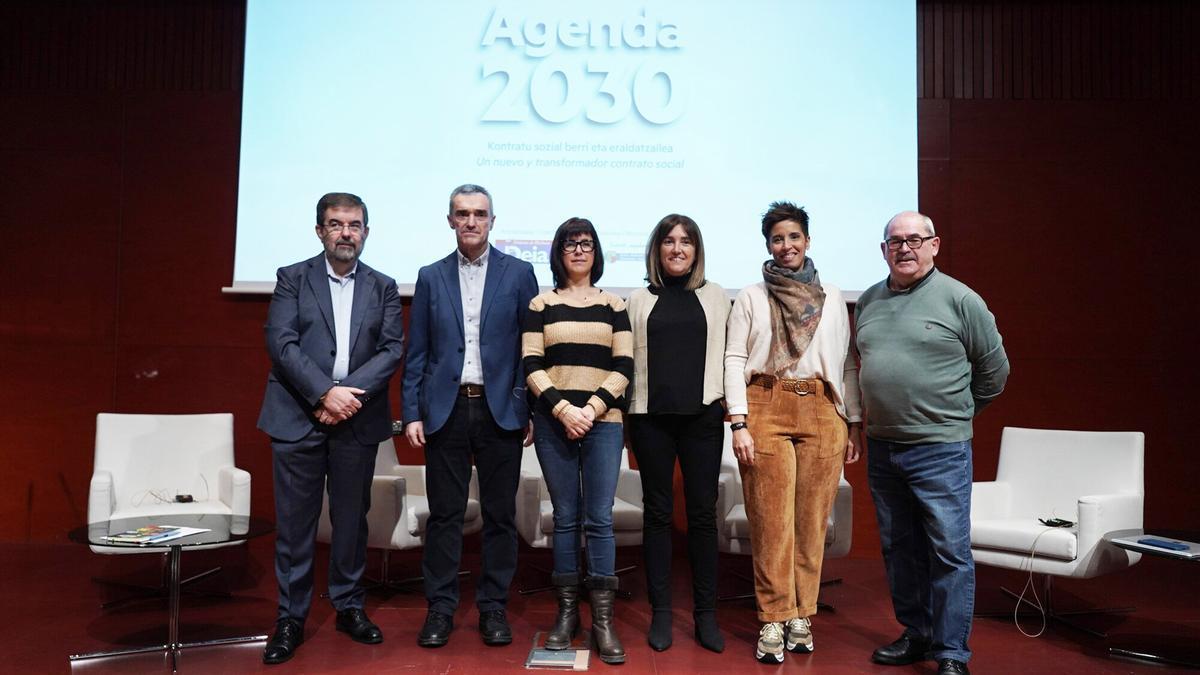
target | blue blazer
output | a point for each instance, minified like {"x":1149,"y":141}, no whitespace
{"x":436,"y":341}
{"x":302,"y":346}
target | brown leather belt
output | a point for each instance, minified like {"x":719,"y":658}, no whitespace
{"x":800,"y":387}
{"x":471,"y":390}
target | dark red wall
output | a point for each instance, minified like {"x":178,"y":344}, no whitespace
{"x":1057,"y":143}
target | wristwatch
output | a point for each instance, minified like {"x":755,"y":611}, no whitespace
{"x":737,"y":425}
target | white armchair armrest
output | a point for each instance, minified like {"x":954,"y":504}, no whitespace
{"x":102,"y":499}
{"x":387,"y":509}
{"x":233,"y":489}
{"x":629,"y":486}
{"x":990,"y":500}
{"x":726,"y":497}
{"x":1100,"y":514}
{"x":529,"y":508}
{"x":414,"y":475}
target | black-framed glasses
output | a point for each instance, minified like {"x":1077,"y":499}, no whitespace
{"x":914,"y":242}
{"x":585,"y":245}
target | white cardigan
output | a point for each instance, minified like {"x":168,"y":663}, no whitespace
{"x":748,"y":349}
{"x":716,"y":311}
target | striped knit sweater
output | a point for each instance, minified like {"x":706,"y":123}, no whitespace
{"x":578,"y":354}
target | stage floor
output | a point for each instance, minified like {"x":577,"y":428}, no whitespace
{"x":52,"y":609}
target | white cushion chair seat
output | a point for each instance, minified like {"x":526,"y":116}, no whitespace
{"x":143,"y":461}
{"x":535,"y":512}
{"x":1092,"y":478}
{"x":399,"y":506}
{"x":733,"y":526}
{"x":1018,"y":536}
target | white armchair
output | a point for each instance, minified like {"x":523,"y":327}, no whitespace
{"x":733,"y":527}
{"x":535,"y":513}
{"x":1094,"y":479}
{"x":399,"y":511}
{"x":142,"y":462}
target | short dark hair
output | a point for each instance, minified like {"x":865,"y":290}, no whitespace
{"x":569,"y":228}
{"x":340,"y":199}
{"x":654,"y":272}
{"x":471,"y":189}
{"x":778,"y":212}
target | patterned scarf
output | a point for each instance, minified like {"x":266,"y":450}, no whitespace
{"x":796,"y":299}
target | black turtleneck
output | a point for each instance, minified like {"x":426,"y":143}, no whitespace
{"x":676,"y":336}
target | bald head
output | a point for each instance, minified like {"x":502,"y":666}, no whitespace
{"x":910,"y":217}
{"x":909,"y":247}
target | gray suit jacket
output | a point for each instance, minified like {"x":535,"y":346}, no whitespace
{"x":302,"y":346}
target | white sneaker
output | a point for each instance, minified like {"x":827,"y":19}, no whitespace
{"x":799,"y":636}
{"x":770,"y":644}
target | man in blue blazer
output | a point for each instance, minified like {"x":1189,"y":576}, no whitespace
{"x":464,"y":398}
{"x":335,"y":337}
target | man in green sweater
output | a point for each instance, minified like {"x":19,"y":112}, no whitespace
{"x":932,"y":359}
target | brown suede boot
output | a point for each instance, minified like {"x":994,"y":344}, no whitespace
{"x":566,"y":623}
{"x":604,"y":634}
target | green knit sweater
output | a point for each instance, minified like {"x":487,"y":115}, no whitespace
{"x":931,"y":360}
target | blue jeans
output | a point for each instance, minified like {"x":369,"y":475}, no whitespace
{"x":593,"y":463}
{"x":922,"y":499}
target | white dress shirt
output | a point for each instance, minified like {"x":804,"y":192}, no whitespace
{"x":341,"y":291}
{"x":471,"y":276}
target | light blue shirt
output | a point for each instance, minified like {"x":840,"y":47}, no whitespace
{"x":341,"y":291}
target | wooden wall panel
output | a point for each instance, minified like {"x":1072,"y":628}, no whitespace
{"x":1058,"y":50}
{"x":1056,"y":142}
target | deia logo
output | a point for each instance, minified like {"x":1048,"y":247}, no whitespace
{"x":535,"y":251}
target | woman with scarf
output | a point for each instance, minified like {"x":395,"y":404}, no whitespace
{"x":791,"y":387}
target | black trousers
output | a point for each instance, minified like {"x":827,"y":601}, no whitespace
{"x":303,"y":470}
{"x":696,"y":440}
{"x":471,"y":432}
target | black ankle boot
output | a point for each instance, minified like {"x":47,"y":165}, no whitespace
{"x":659,"y":636}
{"x":707,"y":633}
{"x":604,"y":634}
{"x":566,"y":622}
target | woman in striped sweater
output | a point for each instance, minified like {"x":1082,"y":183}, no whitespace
{"x":578,"y":355}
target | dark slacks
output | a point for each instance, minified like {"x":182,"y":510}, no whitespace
{"x":471,"y":432}
{"x":302,"y":471}
{"x":696,"y":440}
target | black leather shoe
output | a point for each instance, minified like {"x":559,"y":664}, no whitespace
{"x":902,"y":652}
{"x":493,"y":626}
{"x":952,"y":667}
{"x":289,"y":633}
{"x":355,"y":623}
{"x":436,"y":631}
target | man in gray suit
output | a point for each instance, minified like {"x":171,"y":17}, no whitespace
{"x":335,"y":337}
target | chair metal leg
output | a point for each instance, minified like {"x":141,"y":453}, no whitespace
{"x":1053,"y":614}
{"x":386,"y":585}
{"x":746,"y":596}
{"x":621,"y":593}
{"x":836,"y":581}
{"x":143,"y":593}
{"x":174,"y":645}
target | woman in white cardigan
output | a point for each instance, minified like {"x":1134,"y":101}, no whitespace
{"x":791,"y":386}
{"x":676,"y":411}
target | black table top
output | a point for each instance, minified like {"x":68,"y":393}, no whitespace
{"x":221,"y":528}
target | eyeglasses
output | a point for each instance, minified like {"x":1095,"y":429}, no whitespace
{"x":464,"y":215}
{"x":585,"y":245}
{"x":353,"y":228}
{"x":914,"y":242}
